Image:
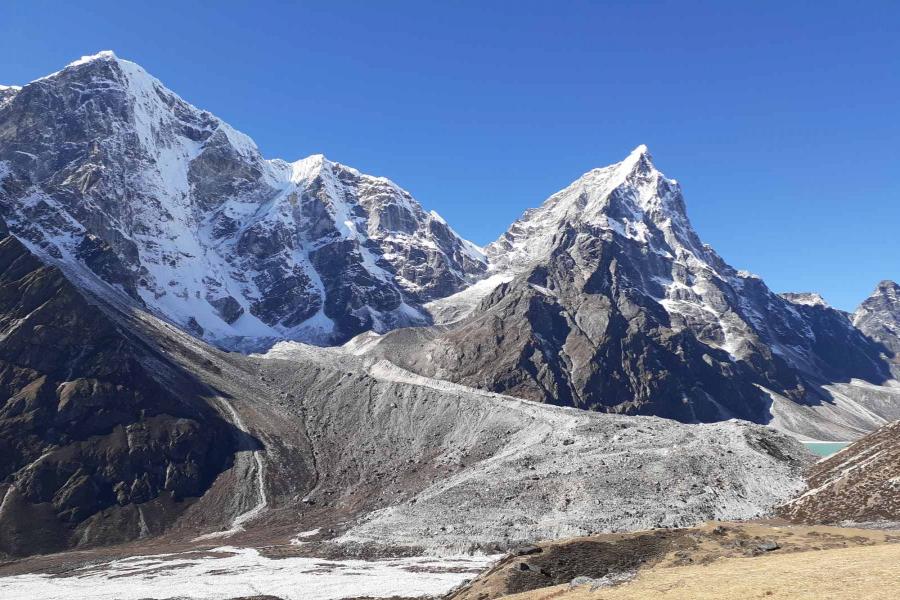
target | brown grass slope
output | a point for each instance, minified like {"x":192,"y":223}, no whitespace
{"x":861,"y":483}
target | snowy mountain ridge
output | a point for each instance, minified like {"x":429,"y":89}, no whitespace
{"x":181,"y":211}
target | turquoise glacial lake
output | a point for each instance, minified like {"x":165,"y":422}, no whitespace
{"x":825,"y":448}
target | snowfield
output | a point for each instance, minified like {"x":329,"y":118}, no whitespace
{"x":229,"y":572}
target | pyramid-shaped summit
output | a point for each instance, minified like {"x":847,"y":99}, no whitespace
{"x":604,"y":297}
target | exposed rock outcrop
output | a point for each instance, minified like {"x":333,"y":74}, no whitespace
{"x":879,"y":316}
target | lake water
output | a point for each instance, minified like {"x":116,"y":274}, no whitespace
{"x":825,"y":448}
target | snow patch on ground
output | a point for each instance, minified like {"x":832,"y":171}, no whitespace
{"x":230,"y":572}
{"x":457,"y":306}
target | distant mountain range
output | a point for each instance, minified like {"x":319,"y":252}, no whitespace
{"x":602,"y":298}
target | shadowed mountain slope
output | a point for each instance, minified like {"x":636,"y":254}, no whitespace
{"x":101,"y":438}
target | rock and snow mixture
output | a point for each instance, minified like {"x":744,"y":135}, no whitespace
{"x":604,"y":297}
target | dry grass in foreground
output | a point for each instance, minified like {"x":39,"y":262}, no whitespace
{"x":857,"y":572}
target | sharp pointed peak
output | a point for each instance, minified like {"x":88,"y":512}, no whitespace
{"x":101,"y":58}
{"x":310,"y":166}
{"x":640,"y":157}
{"x":317,"y":159}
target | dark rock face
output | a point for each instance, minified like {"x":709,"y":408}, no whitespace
{"x":99,"y":440}
{"x":229,"y":309}
{"x":100,"y":164}
{"x":100,"y":258}
{"x":614,"y":304}
{"x":612,"y":351}
{"x":841,"y":352}
{"x":879,"y":316}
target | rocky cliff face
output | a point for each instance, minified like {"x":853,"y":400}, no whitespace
{"x":879,"y":316}
{"x":605,"y":298}
{"x":100,"y":440}
{"x":103,"y":167}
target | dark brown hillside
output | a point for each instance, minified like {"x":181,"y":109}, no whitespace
{"x":99,"y":440}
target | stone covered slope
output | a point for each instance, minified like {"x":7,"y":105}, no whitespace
{"x":605,"y":298}
{"x":101,"y":440}
{"x":861,"y":483}
{"x":101,"y":166}
{"x":463,"y":469}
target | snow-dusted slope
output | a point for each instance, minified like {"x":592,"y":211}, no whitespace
{"x":605,"y":297}
{"x":103,"y":167}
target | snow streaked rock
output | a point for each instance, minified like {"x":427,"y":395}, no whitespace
{"x":106,"y":168}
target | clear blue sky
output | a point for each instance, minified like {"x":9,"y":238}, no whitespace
{"x":780,"y":119}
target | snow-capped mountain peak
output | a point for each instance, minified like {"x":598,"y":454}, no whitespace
{"x":806,"y":299}
{"x":119,"y":175}
{"x":605,"y":297}
{"x":631,"y":199}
